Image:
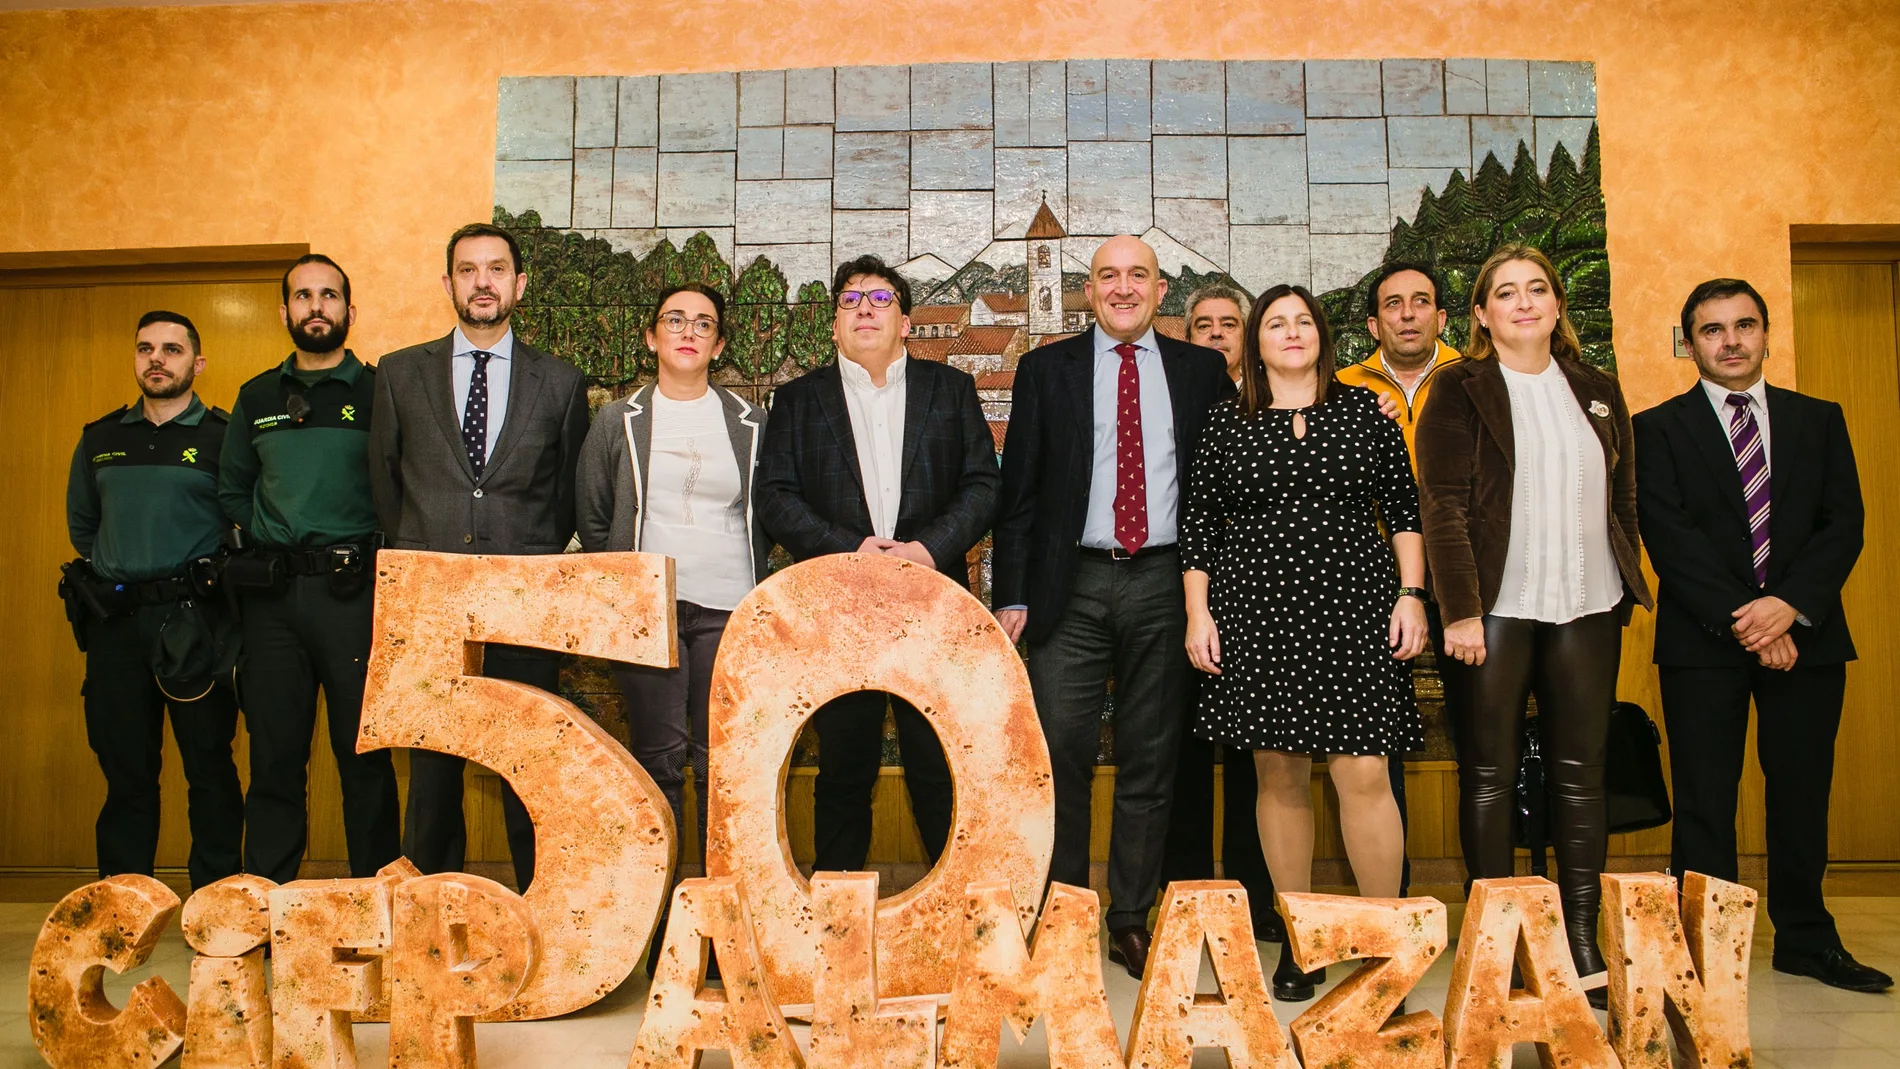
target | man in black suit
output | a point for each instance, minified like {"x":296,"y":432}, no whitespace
{"x":473,"y":445}
{"x":876,"y":453}
{"x":1750,"y":508}
{"x":1101,"y":429}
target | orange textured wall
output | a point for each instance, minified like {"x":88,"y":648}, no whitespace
{"x":367,"y":128}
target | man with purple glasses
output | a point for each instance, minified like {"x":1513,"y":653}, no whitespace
{"x":876,"y":453}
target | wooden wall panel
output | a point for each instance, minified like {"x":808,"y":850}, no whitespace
{"x":1845,"y":330}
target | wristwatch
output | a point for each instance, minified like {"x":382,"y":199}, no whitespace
{"x":1414,"y":592}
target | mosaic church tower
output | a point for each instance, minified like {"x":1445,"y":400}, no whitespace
{"x":1045,"y":271}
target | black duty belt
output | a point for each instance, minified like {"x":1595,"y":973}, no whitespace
{"x":318,"y":560}
{"x":1120,"y":555}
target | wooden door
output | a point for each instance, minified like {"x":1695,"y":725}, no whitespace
{"x":1848,"y":351}
{"x":66,"y":357}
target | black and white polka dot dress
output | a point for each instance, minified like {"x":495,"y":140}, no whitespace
{"x":1301,"y":581}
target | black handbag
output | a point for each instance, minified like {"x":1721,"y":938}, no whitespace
{"x":1635,"y":792}
{"x":1634,"y":788}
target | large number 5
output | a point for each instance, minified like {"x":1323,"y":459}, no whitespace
{"x":604,"y":838}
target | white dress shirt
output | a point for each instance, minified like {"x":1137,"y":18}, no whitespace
{"x":1757,"y":403}
{"x":1559,"y":565}
{"x":695,"y":511}
{"x":877,"y":425}
{"x":1157,"y":444}
{"x":462,"y":368}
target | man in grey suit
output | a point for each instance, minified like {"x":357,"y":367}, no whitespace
{"x":473,"y":443}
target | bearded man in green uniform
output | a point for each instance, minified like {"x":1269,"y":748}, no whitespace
{"x":296,"y":483}
{"x":142,"y":510}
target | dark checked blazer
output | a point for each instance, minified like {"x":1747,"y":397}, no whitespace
{"x":809,"y":494}
{"x":1695,"y":526}
{"x":427,"y":495}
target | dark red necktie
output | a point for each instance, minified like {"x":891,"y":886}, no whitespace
{"x":1131,"y":471}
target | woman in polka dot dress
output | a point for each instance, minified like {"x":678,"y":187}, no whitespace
{"x":1295,"y":608}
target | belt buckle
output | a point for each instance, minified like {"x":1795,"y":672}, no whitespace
{"x":1118,"y":553}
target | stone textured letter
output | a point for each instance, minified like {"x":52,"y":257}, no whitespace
{"x":1401,"y":937}
{"x":1056,"y":976}
{"x":603,"y":832}
{"x":227,"y":1021}
{"x":851,"y":622}
{"x":1170,"y":1019}
{"x":462,"y":946}
{"x":683,"y":1020}
{"x":1518,"y":918}
{"x":850,"y":1028}
{"x":1699,"y":984}
{"x":327,"y":942}
{"x":112,"y":924}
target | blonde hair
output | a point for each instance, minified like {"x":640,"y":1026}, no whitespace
{"x":1563,"y":339}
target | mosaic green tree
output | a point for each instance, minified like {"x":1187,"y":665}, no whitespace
{"x":1560,"y":213}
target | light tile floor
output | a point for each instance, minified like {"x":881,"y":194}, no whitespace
{"x":1796,"y":1023}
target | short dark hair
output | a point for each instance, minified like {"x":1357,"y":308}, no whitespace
{"x":162,"y":316}
{"x":713,"y":295}
{"x":1256,"y":396}
{"x":1719,"y":289}
{"x":873,"y":265}
{"x":1398,"y":268}
{"x":316,"y":258}
{"x":481,"y":230}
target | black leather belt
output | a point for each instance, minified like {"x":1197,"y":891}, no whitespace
{"x":1119,"y":555}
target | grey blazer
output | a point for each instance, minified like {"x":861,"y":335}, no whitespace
{"x":427,"y":496}
{"x":610,"y":486}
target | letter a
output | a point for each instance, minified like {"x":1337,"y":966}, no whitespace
{"x":683,"y":1019}
{"x":1170,"y":1019}
{"x":1518,"y":918}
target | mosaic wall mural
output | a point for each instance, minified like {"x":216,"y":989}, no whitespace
{"x":990,"y":185}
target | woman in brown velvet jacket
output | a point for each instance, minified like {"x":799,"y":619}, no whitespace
{"x":1528,"y":494}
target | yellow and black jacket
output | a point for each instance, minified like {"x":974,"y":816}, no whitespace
{"x":1371,"y":374}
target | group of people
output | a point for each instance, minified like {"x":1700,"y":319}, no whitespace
{"x":1251,"y":543}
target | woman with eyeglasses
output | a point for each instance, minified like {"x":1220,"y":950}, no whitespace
{"x":668,"y":470}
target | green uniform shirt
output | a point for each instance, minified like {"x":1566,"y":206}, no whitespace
{"x":291,"y":482}
{"x":142,"y":498}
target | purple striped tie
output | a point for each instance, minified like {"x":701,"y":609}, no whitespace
{"x":1745,"y":436}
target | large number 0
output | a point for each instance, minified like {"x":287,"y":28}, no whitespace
{"x":604,"y":842}
{"x":851,"y":622}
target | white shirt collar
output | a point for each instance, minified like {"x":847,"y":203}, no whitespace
{"x":1757,"y":394}
{"x":502,"y":350}
{"x":1105,"y":345}
{"x":855,"y":375}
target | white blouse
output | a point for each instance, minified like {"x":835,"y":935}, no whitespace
{"x":694,"y":510}
{"x":1559,"y":565}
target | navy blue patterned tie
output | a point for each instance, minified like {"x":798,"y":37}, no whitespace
{"x":475,"y":414}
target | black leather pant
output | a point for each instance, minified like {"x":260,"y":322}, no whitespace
{"x":1572,"y":670}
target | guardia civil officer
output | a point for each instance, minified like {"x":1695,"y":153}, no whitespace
{"x":296,"y":483}
{"x":142,"y":509}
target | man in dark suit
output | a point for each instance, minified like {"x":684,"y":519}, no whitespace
{"x":1750,"y":507}
{"x":473,"y":446}
{"x":876,"y":453}
{"x":1101,"y":429}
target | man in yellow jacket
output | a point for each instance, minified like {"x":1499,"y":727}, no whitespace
{"x":1403,"y":313}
